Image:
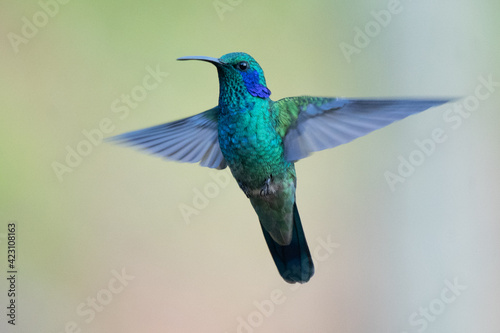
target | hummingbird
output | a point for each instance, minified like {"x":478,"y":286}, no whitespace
{"x":260,"y":140}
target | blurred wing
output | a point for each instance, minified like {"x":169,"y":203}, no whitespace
{"x":310,"y":124}
{"x":192,"y":140}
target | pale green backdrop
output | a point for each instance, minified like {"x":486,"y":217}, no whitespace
{"x":419,"y":255}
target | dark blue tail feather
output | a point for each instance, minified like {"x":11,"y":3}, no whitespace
{"x":293,"y":261}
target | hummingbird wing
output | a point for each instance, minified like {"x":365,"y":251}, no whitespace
{"x":193,"y":139}
{"x":310,"y":124}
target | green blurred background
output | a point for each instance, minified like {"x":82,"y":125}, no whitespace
{"x":118,"y":211}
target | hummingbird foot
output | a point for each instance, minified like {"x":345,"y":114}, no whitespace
{"x":267,"y":189}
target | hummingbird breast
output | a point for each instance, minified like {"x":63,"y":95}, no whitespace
{"x":251,"y":146}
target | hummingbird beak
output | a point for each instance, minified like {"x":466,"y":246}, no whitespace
{"x":214,"y":61}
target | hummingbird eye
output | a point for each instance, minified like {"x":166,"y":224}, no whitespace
{"x":242,"y":66}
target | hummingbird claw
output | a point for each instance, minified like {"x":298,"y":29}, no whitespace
{"x":266,"y":189}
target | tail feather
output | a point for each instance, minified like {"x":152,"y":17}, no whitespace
{"x":293,"y":261}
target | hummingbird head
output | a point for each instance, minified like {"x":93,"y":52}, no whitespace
{"x":240,"y":76}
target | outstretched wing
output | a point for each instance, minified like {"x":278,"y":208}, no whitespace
{"x":310,"y":124}
{"x":192,"y":140}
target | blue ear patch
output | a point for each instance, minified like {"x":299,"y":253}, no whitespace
{"x":251,"y":80}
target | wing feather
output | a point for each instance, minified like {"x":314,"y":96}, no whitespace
{"x":193,"y":139}
{"x":311,"y":124}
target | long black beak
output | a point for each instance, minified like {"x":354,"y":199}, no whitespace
{"x":214,"y":61}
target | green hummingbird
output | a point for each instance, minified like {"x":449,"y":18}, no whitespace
{"x":261,"y":139}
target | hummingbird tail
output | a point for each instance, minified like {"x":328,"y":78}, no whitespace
{"x":293,"y":261}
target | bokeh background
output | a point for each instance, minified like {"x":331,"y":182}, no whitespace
{"x":394,"y":253}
